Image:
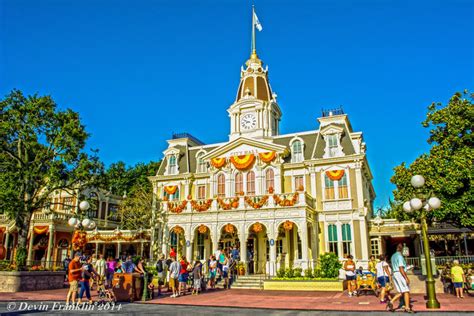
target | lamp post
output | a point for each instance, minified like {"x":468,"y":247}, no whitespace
{"x":424,"y":203}
{"x":82,"y":222}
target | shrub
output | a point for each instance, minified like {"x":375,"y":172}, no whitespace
{"x":297,"y":272}
{"x":317,"y":272}
{"x":308,"y":273}
{"x":281,"y":272}
{"x":151,"y":270}
{"x":289,"y":273}
{"x":329,"y":265}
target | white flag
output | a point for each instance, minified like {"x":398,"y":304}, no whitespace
{"x":256,"y":22}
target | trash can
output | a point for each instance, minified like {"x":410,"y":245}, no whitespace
{"x":433,"y":265}
{"x":127,"y":287}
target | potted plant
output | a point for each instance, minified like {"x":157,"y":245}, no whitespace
{"x":241,"y":268}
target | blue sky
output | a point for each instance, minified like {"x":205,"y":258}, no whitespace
{"x":139,"y":70}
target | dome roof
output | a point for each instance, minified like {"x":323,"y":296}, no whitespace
{"x":254,"y":81}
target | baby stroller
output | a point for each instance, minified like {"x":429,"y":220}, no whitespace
{"x":105,"y":295}
{"x":366,"y":282}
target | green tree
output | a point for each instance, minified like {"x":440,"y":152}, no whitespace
{"x":121,"y":179}
{"x":135,"y":210}
{"x":41,"y":152}
{"x":448,"y":167}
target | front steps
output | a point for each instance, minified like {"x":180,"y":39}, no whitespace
{"x":253,"y":281}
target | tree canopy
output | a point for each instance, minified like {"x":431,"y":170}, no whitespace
{"x":448,"y":167}
{"x":42,"y":150}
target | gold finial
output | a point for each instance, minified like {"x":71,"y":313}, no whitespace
{"x":254,"y":55}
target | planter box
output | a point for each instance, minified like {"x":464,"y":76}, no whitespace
{"x":22,"y":281}
{"x":303,"y":285}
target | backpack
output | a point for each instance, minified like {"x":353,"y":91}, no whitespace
{"x":159,"y":266}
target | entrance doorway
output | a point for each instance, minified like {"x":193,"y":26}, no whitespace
{"x":250,"y":255}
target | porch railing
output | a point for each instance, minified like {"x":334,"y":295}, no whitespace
{"x":440,"y":261}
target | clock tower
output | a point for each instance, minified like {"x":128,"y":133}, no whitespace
{"x":255,"y":112}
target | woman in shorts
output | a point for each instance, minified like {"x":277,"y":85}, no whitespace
{"x":349,"y":267}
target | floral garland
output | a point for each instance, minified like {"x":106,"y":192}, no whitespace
{"x":178,"y":230}
{"x":243,"y":162}
{"x":171,"y":189}
{"x":335,"y":175}
{"x":234,"y":203}
{"x":267,"y":157}
{"x":202,"y":229}
{"x":40,"y":229}
{"x":229,"y":228}
{"x":79,"y":240}
{"x":201,"y":206}
{"x":287,"y":225}
{"x":285,"y":201}
{"x":257,"y":227}
{"x":119,"y":237}
{"x":256,"y":204}
{"x":218,"y":162}
{"x":177,"y":207}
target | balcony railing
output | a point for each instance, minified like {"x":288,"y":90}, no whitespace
{"x":63,"y":217}
{"x":297,"y":199}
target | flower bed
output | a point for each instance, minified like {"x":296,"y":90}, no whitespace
{"x":303,"y":284}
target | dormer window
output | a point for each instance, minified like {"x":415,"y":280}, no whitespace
{"x":297,"y":151}
{"x":333,"y":145}
{"x":201,"y":163}
{"x":172,"y":165}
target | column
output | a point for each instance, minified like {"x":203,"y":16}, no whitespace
{"x":243,"y":244}
{"x":97,"y":249}
{"x":7,"y":240}
{"x":340,"y":250}
{"x":165,"y":238}
{"x":215,"y":238}
{"x":119,"y":249}
{"x":304,"y":244}
{"x":313,"y":182}
{"x":30,"y":246}
{"x":273,"y":251}
{"x":188,"y":243}
{"x":364,"y":240}
{"x":315,"y":243}
{"x":50,"y":245}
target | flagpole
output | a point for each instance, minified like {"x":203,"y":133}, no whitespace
{"x":254,"y":49}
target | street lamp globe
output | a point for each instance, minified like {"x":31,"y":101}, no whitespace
{"x":407,"y":206}
{"x":86,"y":222}
{"x":416,"y":204}
{"x":92,"y":225}
{"x":417,"y":181}
{"x":72,"y":221}
{"x":434,"y":202}
{"x":84,"y":206}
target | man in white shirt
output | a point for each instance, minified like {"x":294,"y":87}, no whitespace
{"x":174,"y":274}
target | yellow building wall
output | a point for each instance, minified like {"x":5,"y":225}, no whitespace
{"x":286,"y":184}
{"x":353,"y":184}
{"x":357,"y":240}
{"x":322,"y":238}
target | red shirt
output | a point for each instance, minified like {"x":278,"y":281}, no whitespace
{"x":73,"y":276}
{"x":184,"y":266}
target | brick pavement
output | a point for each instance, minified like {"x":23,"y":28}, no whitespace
{"x":270,"y":299}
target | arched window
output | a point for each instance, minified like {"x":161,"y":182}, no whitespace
{"x":269,"y":180}
{"x":239,"y":183}
{"x":201,"y":163}
{"x":297,"y":151}
{"x":221,"y":185}
{"x":250,"y":183}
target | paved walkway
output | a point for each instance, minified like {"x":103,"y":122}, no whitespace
{"x":270,"y":300}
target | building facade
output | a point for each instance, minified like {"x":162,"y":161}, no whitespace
{"x":281,"y":199}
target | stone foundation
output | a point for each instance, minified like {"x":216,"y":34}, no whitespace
{"x":22,"y":281}
{"x":297,"y":285}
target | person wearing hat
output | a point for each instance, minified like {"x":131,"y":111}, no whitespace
{"x":74,"y":274}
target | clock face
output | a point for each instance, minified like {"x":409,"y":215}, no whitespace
{"x":248,"y":121}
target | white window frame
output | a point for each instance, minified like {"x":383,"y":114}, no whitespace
{"x":336,"y":186}
{"x":297,"y":157}
{"x":173,"y":169}
{"x":197,"y":191}
{"x":201,"y":165}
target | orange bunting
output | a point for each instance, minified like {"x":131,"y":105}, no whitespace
{"x":171,"y":189}
{"x":40,"y":229}
{"x":178,"y":230}
{"x":218,"y":162}
{"x":79,"y":240}
{"x":335,"y":175}
{"x":287,"y":225}
{"x":257,"y":227}
{"x":229,"y":228}
{"x":243,"y":162}
{"x":267,"y":157}
{"x":177,"y":207}
{"x":202,"y":229}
